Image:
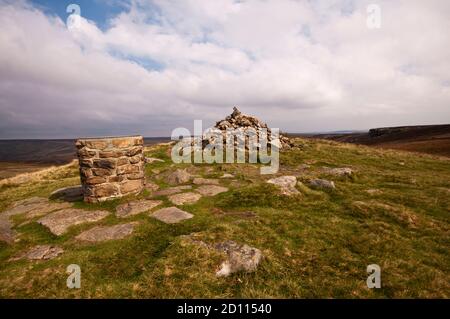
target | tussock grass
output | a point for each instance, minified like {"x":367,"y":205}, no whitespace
{"x":317,"y":244}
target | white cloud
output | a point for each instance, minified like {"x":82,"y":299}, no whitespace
{"x":302,"y":66}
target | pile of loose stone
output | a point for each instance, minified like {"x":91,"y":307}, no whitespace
{"x":247,"y":124}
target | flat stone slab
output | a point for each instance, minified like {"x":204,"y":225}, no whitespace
{"x":45,"y":208}
{"x":24,"y":206}
{"x":211,"y":190}
{"x":7,"y":234}
{"x":104,"y":233}
{"x":171,"y":215}
{"x":136,"y":207}
{"x":44,"y":252}
{"x":59,"y":221}
{"x":69,"y":194}
{"x":205,"y":181}
{"x":171,"y":190}
{"x":33,"y":207}
{"x":184,"y":198}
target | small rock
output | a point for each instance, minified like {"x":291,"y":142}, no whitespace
{"x":59,"y":221}
{"x":179,"y":176}
{"x":69,"y":194}
{"x":205,"y":181}
{"x":104,"y":233}
{"x":322,"y":183}
{"x":374,"y":192}
{"x":340,"y":171}
{"x":149,"y":160}
{"x":211,"y":190}
{"x":184,"y":198}
{"x":171,"y":215}
{"x":150,"y":186}
{"x":286,"y":184}
{"x":136,"y":207}
{"x":239,"y":258}
{"x":227,"y":175}
{"x":44,"y":252}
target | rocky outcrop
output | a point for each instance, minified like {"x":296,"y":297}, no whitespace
{"x":111,"y":167}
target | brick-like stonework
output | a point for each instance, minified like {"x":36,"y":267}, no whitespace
{"x":111,"y":167}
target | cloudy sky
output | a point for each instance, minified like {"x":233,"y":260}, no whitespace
{"x":149,"y":66}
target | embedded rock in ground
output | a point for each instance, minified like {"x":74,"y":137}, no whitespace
{"x":239,"y":258}
{"x":33,"y":207}
{"x":44,"y":252}
{"x":171,"y":190}
{"x":7,"y":234}
{"x":322,"y":183}
{"x":184,"y":198}
{"x":59,"y":221}
{"x":374,"y":191}
{"x":104,"y":233}
{"x":227,"y":175}
{"x":46,"y":208}
{"x":171,"y":215}
{"x":180,"y":176}
{"x":25,"y":205}
{"x":136,"y":207}
{"x":69,"y":194}
{"x":211,"y":190}
{"x":340,"y":171}
{"x":286,"y":184}
{"x":149,"y":160}
{"x":150,"y":186}
{"x":238,"y":214}
{"x":205,"y":181}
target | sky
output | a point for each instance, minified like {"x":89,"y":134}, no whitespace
{"x":146,"y":67}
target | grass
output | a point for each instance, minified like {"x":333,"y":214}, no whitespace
{"x":317,"y":244}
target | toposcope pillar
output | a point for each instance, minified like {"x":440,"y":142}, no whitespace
{"x":110,"y":167}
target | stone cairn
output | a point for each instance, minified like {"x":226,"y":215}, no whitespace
{"x":110,"y":167}
{"x":238,"y":120}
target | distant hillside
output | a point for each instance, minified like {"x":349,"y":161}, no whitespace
{"x":431,"y":139}
{"x":47,"y":151}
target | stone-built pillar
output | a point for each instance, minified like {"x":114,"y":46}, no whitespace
{"x":110,"y":167}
